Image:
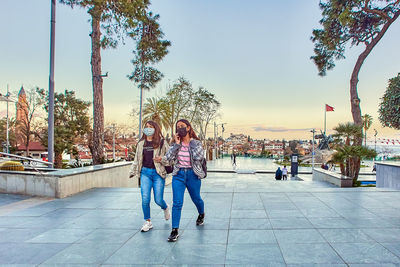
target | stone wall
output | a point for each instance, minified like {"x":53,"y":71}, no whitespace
{"x":332,"y":177}
{"x":63,"y":183}
{"x":388,"y":175}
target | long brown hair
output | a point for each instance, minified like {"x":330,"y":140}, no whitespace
{"x":157,"y":136}
{"x":192,"y":134}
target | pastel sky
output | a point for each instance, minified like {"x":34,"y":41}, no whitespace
{"x":254,"y":55}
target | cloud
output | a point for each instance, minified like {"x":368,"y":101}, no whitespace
{"x":278,"y":129}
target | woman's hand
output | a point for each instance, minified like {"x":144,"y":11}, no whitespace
{"x":177,"y":139}
{"x":157,"y":159}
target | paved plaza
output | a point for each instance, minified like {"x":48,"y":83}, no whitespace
{"x":251,"y":220}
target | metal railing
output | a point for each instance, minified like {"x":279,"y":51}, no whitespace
{"x":30,"y":160}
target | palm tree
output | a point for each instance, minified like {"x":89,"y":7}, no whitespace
{"x":154,"y":109}
{"x":348,"y":154}
{"x":347,"y":132}
{"x":367,"y":121}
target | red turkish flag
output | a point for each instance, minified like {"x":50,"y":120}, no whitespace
{"x":329,"y":108}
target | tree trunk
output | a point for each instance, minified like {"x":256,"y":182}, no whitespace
{"x":354,"y":100}
{"x":97,"y":80}
{"x":58,"y":160}
{"x":342,"y":169}
{"x":365,"y":139}
{"x":27,"y":147}
{"x":347,"y":168}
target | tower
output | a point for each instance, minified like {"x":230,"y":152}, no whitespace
{"x":22,"y":115}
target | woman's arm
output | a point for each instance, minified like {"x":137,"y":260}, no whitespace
{"x":171,"y":154}
{"x":134,"y":166}
{"x":164,"y":150}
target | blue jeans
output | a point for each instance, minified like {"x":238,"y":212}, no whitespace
{"x":185,"y":178}
{"x":149,"y":178}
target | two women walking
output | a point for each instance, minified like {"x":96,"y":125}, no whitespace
{"x":186,"y":155}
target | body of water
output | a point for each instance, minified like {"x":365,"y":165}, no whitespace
{"x":268,"y":164}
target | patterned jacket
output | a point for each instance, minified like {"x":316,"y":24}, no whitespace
{"x":196,"y":155}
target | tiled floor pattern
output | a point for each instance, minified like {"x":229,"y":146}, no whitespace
{"x":251,"y":220}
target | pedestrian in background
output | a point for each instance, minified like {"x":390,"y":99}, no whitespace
{"x":284,"y":173}
{"x":278,"y":174}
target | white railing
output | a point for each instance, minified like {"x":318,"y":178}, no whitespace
{"x":30,"y":160}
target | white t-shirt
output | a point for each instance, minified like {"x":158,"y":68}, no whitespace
{"x":284,"y":171}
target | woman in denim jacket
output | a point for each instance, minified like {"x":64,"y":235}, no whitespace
{"x":152,"y":174}
{"x":186,"y":154}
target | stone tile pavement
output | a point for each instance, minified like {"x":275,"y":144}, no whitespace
{"x":251,"y":220}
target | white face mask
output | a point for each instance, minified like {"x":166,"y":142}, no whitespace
{"x":148,"y":131}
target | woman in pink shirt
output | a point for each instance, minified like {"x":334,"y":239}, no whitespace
{"x":187,"y":154}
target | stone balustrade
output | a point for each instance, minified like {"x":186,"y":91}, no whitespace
{"x":66,"y":182}
{"x":332,"y":177}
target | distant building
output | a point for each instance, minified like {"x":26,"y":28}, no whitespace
{"x":36,"y":150}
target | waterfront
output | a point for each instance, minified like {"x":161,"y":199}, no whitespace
{"x":247,"y":163}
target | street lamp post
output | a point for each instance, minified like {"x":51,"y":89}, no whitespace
{"x":113,"y":127}
{"x":7,"y":99}
{"x":216,"y":135}
{"x":313,"y":140}
{"x":215,"y":139}
{"x":222,"y":136}
{"x":376,"y":133}
{"x":113,"y":131}
{"x":50,"y":140}
{"x":7,"y":140}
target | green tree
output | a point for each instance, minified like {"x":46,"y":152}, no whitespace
{"x":11,"y":133}
{"x":389,"y":108}
{"x":71,"y":121}
{"x":348,"y":151}
{"x":150,"y":50}
{"x":203,"y":111}
{"x":367,"y":122}
{"x":177,"y":101}
{"x":29,"y":107}
{"x":355,"y":22}
{"x":111,"y":20}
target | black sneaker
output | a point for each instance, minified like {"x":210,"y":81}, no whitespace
{"x":174,"y":235}
{"x":200,"y":219}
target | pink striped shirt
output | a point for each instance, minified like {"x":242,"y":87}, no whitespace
{"x":184,"y":157}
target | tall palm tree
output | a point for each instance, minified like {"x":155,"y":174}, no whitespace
{"x":367,"y":122}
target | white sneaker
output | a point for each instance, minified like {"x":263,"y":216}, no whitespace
{"x":167,"y":213}
{"x":147,"y":226}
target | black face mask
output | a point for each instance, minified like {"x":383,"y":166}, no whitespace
{"x":182,"y":132}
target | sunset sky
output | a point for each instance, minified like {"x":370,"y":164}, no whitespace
{"x":253,"y":55}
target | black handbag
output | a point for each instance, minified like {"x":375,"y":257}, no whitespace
{"x":168,"y":169}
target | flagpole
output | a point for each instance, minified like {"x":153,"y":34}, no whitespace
{"x":325,"y":120}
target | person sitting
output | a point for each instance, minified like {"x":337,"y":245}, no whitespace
{"x":278,"y":174}
{"x":326,"y":167}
